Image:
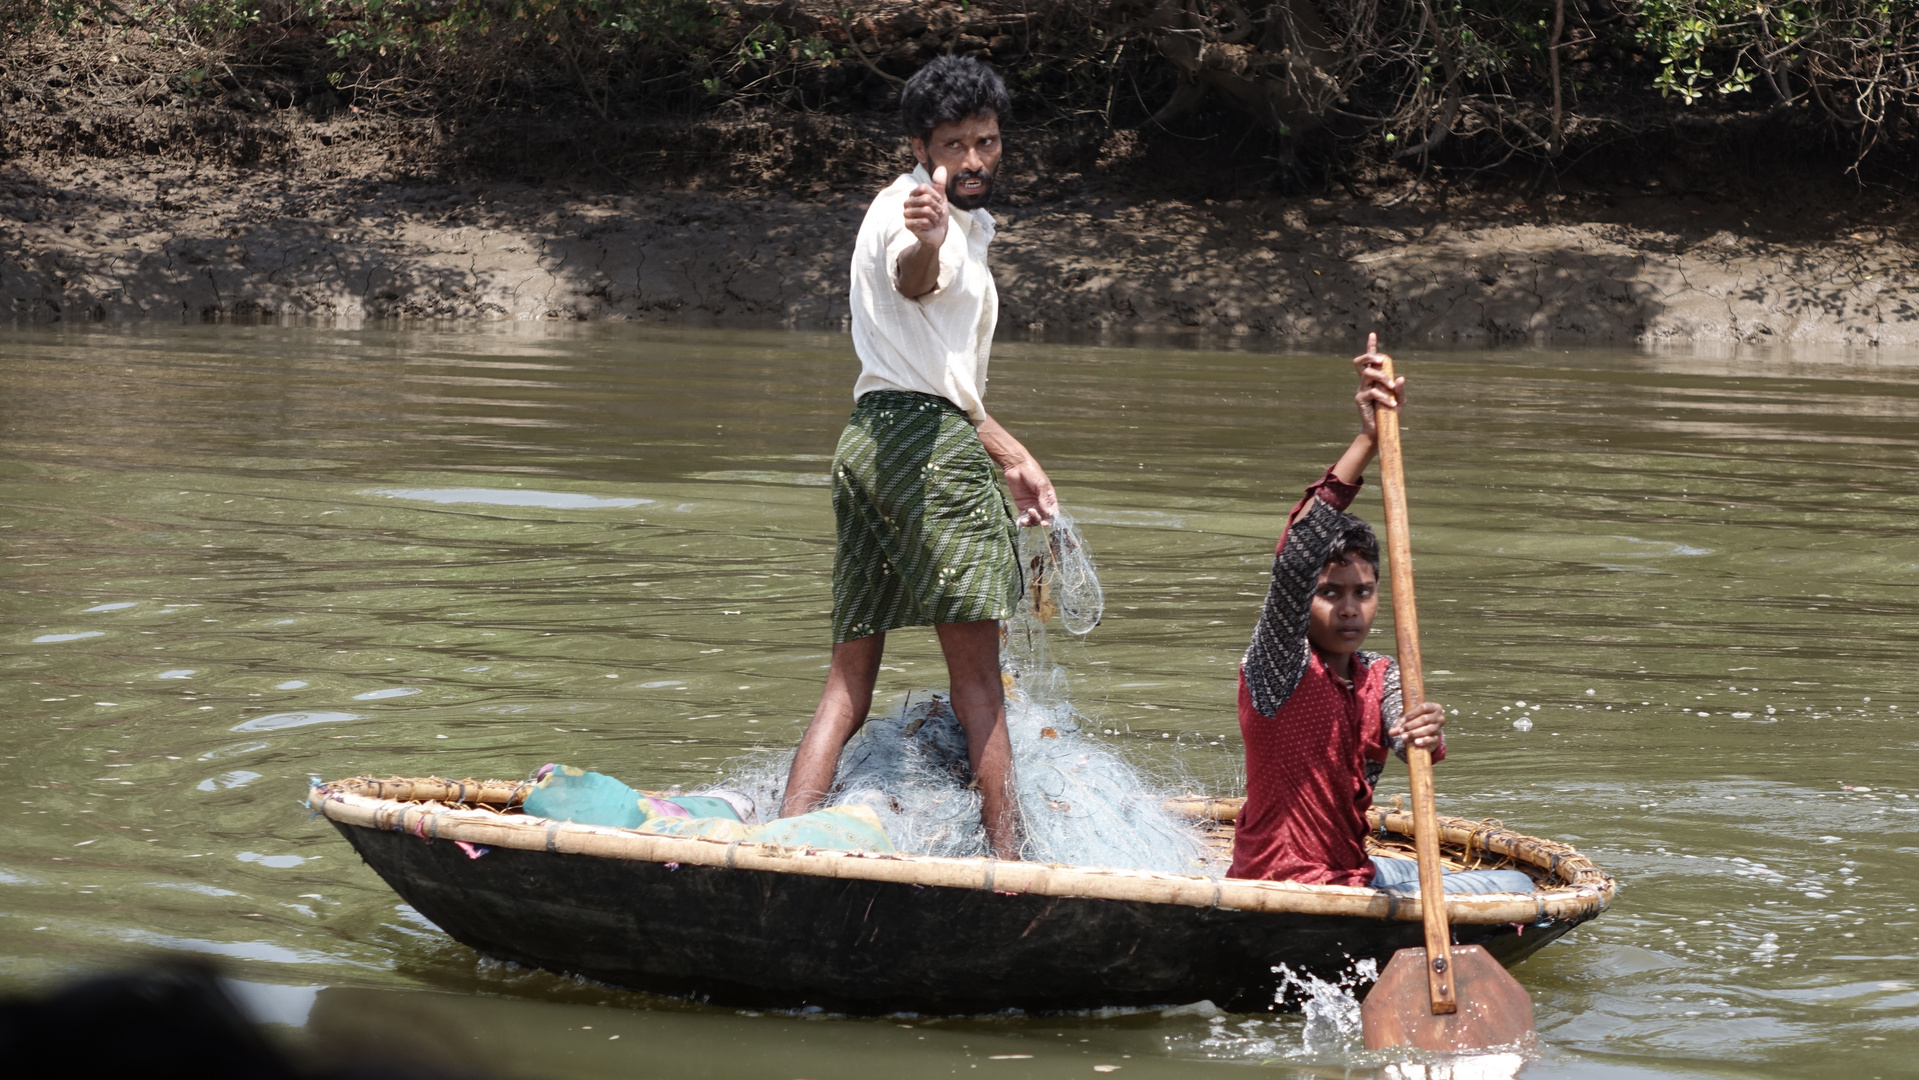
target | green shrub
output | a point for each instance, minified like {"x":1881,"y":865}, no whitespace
{"x":1485,"y":79}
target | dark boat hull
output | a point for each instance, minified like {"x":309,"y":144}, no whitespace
{"x":759,"y":938}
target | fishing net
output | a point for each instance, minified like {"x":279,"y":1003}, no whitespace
{"x":1080,"y":803}
{"x":1060,"y":578}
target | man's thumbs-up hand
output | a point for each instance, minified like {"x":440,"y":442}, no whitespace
{"x":926,"y":210}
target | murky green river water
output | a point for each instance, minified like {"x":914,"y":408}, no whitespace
{"x":235,"y":559}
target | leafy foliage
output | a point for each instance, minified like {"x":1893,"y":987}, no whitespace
{"x":1482,"y":80}
{"x":1857,"y":60}
{"x":1522,"y":77}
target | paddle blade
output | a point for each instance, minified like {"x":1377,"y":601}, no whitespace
{"x":1494,"y":1009}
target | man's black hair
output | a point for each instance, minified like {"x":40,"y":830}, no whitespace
{"x":1356,"y":541}
{"x":949,"y":89}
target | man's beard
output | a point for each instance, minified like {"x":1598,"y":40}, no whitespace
{"x":969,"y":202}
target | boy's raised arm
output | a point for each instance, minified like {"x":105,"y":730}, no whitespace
{"x":1277,"y":656}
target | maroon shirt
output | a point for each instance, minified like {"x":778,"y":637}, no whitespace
{"x":1315,"y":744}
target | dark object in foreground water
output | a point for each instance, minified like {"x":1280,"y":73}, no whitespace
{"x":742,"y":924}
{"x":172,"y":1021}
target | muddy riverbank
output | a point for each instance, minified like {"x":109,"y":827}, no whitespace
{"x":168,"y":214}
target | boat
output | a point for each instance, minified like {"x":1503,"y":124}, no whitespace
{"x":759,"y":926}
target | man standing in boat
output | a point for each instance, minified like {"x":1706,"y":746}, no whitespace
{"x":925,"y":531}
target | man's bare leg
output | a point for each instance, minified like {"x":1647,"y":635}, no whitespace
{"x":843,"y":708}
{"x":979,"y":700}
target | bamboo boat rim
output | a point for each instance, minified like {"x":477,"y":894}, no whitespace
{"x":477,"y":812}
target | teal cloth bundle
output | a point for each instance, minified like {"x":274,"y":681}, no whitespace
{"x":565,"y":793}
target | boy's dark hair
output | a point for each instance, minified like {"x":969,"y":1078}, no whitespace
{"x":951,"y":88}
{"x":1356,"y":541}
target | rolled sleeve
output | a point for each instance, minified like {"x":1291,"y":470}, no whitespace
{"x":951,"y":258}
{"x":1334,"y":492}
{"x":1329,"y":489}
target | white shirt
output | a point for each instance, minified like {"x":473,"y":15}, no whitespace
{"x":939,"y":343}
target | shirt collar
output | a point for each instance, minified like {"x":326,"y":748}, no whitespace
{"x":1361,"y":672}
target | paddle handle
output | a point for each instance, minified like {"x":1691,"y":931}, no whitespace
{"x":1412,"y":682}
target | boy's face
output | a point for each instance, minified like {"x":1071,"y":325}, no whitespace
{"x":1344,"y":604}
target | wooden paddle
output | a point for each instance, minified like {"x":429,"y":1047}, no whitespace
{"x":1439,"y":997}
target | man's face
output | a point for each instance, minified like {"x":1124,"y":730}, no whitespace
{"x":1344,"y":604}
{"x":970,"y":150}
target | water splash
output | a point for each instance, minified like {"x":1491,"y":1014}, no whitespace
{"x":1326,"y":1030}
{"x":1330,"y":1009}
{"x":1494,"y":1066}
{"x":1318,"y":1024}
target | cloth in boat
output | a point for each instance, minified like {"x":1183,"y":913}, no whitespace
{"x":1402,"y":876}
{"x":934,"y":344}
{"x":925,"y":530}
{"x":565,"y":793}
{"x":836,"y":828}
{"x":1316,"y":744}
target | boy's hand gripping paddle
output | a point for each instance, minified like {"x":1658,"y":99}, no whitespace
{"x":1439,"y":997}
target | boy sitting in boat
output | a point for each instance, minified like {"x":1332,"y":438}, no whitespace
{"x":1317,"y":713}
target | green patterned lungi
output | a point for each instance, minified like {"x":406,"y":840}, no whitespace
{"x":926,"y":531}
